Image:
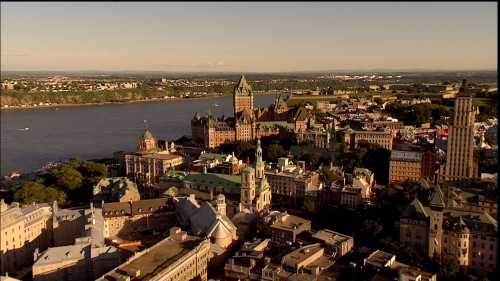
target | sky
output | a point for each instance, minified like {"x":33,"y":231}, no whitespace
{"x":248,"y":36}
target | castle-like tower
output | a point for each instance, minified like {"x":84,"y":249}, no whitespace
{"x":243,"y":111}
{"x":247,"y":193}
{"x":242,"y":97}
{"x":436,"y":205}
{"x":460,"y":168}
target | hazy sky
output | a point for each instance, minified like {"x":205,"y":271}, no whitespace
{"x":247,"y":37}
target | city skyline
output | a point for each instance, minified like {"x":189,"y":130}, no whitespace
{"x":248,"y":37}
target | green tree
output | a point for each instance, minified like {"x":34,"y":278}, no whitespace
{"x":309,"y":206}
{"x":68,"y":178}
{"x":315,"y":160}
{"x":93,"y":172}
{"x":449,"y":266}
{"x":273,"y":152}
{"x":491,"y":139}
{"x":244,"y":150}
{"x":33,"y":192}
{"x":371,"y":231}
{"x":489,"y":165}
{"x":328,"y":176}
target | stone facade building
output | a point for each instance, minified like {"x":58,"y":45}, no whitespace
{"x":460,"y":167}
{"x":412,"y":165}
{"x":23,"y":230}
{"x":124,"y":218}
{"x":150,"y":160}
{"x":80,"y":262}
{"x":247,"y":122}
{"x":335,"y":243}
{"x":382,"y":137}
{"x":283,"y":228}
{"x":436,"y":229}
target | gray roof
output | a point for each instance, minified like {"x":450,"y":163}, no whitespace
{"x":27,"y":209}
{"x":63,"y":253}
{"x":221,"y":227}
{"x":202,"y":219}
{"x":148,"y":206}
{"x":186,"y":207}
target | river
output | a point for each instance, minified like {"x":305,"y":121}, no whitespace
{"x":96,"y":131}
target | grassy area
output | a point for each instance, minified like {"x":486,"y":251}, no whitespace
{"x":296,"y":99}
{"x":481,"y":102}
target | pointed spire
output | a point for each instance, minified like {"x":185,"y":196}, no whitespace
{"x":437,"y":198}
{"x":258,"y":156}
{"x":242,"y":88}
{"x":197,"y":116}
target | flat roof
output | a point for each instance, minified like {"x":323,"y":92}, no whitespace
{"x":156,"y":259}
{"x":331,"y":237}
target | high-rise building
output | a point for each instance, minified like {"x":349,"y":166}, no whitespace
{"x":460,"y":168}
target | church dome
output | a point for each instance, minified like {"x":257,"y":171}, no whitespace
{"x":147,"y":135}
{"x":234,"y":159}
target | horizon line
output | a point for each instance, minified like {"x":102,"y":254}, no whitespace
{"x":271,"y":72}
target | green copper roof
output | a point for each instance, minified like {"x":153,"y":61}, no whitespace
{"x":415,"y":210}
{"x":437,"y":198}
{"x":213,"y":156}
{"x":362,"y":171}
{"x":423,"y":183}
{"x":227,"y":182}
{"x":242,"y":88}
{"x":117,"y":185}
{"x":210,"y":179}
{"x":174,"y":175}
{"x":172,"y":191}
{"x":248,"y":170}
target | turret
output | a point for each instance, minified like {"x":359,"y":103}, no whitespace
{"x":259,"y":164}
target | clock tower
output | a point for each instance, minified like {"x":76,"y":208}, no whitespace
{"x":436,"y":205}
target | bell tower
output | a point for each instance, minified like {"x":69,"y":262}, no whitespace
{"x":247,"y":188}
{"x":259,"y":164}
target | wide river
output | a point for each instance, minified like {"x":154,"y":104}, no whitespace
{"x":96,"y":131}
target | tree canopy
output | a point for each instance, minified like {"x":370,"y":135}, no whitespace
{"x":33,"y":192}
{"x":73,"y":180}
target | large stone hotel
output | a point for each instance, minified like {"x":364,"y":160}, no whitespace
{"x":249,"y":123}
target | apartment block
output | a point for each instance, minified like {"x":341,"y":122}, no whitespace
{"x":352,"y":137}
{"x":23,"y":230}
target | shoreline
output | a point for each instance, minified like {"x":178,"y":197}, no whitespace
{"x":107,"y":103}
